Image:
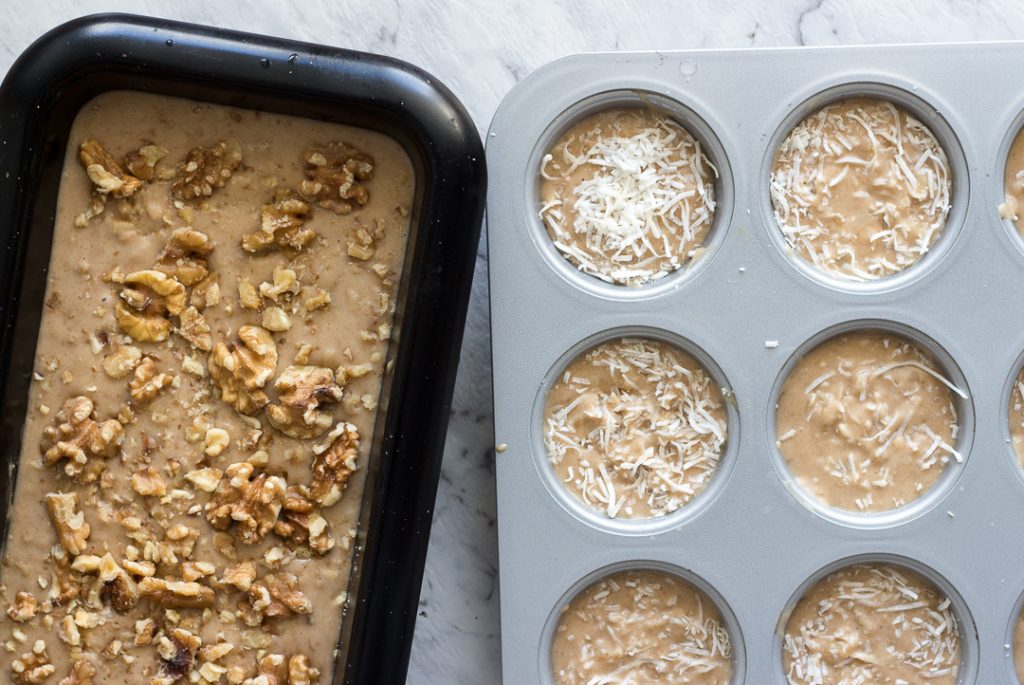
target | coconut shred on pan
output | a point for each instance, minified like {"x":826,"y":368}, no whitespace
{"x":635,"y":428}
{"x":861,"y":189}
{"x":627,"y":196}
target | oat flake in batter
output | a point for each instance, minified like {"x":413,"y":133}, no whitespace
{"x":861,"y":189}
{"x":627,"y":195}
{"x":640,"y":628}
{"x":635,"y":428}
{"x":872,"y":624}
{"x":866,"y":421}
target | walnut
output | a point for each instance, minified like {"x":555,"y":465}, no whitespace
{"x":147,"y":299}
{"x":333,"y":464}
{"x":147,"y":382}
{"x":249,"y":500}
{"x":32,"y":667}
{"x":149,"y":483}
{"x":72,"y":529}
{"x":23,"y":608}
{"x":361,"y":244}
{"x":142,"y":163}
{"x":204,"y":479}
{"x":184,"y":256}
{"x":242,"y":370}
{"x":177,"y":653}
{"x":195,"y":570}
{"x":286,"y":283}
{"x":335,"y":173}
{"x":281,"y":226}
{"x":82,"y":673}
{"x":107,"y":176}
{"x":299,"y":522}
{"x":248,"y":297}
{"x":276,"y":596}
{"x":240,"y":575}
{"x":272,"y":669}
{"x":122,"y":361}
{"x":118,"y":587}
{"x":300,"y":672}
{"x":65,"y":584}
{"x":195,"y":329}
{"x":77,"y":436}
{"x":176,"y":594}
{"x":302,"y":390}
{"x":206,"y":293}
{"x":275,"y":319}
{"x":206,"y":169}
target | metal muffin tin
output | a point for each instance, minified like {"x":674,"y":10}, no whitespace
{"x":753,"y":539}
{"x":64,"y":69}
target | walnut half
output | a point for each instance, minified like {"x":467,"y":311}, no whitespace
{"x":107,"y":176}
{"x":206,"y":169}
{"x":77,"y":436}
{"x":302,"y":390}
{"x":184,"y":256}
{"x":335,"y":174}
{"x":334,"y":462}
{"x":148,"y":298}
{"x":248,"y":500}
{"x":242,"y":369}
{"x":72,"y":529}
{"x":175,"y":594}
{"x":300,"y":522}
{"x":282,"y":226}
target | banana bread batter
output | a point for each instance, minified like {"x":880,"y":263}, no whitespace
{"x":1013,"y":183}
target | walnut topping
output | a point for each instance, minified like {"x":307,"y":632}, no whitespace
{"x":177,"y":653}
{"x":142,"y":163}
{"x":147,"y":382}
{"x":195,"y":329}
{"x":335,"y":174}
{"x":176,"y":594}
{"x":300,"y":672}
{"x":301,"y":523}
{"x":286,"y":283}
{"x":32,"y":667}
{"x":204,"y":479}
{"x":276,"y":596}
{"x":122,"y":361}
{"x":118,"y":587}
{"x":147,"y":299}
{"x":72,"y":530}
{"x":107,"y":176}
{"x":206,"y":169}
{"x":282,"y":226}
{"x":184,"y":256}
{"x":149,"y":483}
{"x":334,"y":463}
{"x":272,"y":670}
{"x":248,"y":297}
{"x":240,"y":575}
{"x":249,"y":500}
{"x":77,"y":436}
{"x":275,"y":319}
{"x":302,"y":390}
{"x":82,"y":673}
{"x":23,"y":608}
{"x":242,"y":370}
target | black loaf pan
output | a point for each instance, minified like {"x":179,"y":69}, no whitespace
{"x":60,"y":72}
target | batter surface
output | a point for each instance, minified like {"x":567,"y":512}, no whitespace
{"x":861,"y":189}
{"x":641,"y":627}
{"x":627,"y":195}
{"x":635,"y":428}
{"x":218,"y":310}
{"x":866,"y":421}
{"x":1013,"y":183}
{"x":872,"y":623}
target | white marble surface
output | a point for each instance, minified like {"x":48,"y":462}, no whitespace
{"x":480,"y":49}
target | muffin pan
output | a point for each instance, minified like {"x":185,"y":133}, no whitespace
{"x":748,"y":309}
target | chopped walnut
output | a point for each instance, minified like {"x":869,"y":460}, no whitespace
{"x":286,"y":283}
{"x":299,"y":522}
{"x":300,"y":672}
{"x":195,"y":570}
{"x":240,"y":575}
{"x":184,"y":256}
{"x":302,"y":390}
{"x":248,"y":296}
{"x":142,"y":163}
{"x":147,"y":382}
{"x":118,"y":587}
{"x":275,"y":319}
{"x":242,"y":370}
{"x":272,"y":669}
{"x":276,"y":596}
{"x":23,"y":608}
{"x":72,"y":529}
{"x":360,"y":244}
{"x":195,"y":329}
{"x":122,"y":361}
{"x":82,"y":673}
{"x":176,"y":594}
{"x":334,"y":462}
{"x":204,"y":479}
{"x":177,"y":653}
{"x":32,"y":668}
{"x":77,"y":436}
{"x":206,"y":169}
{"x":249,"y":500}
{"x":282,"y":226}
{"x":148,"y":483}
{"x":145,"y":303}
{"x":335,"y":174}
{"x":206,"y":293}
{"x":107,"y":176}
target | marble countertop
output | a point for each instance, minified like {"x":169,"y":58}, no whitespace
{"x":480,"y":50}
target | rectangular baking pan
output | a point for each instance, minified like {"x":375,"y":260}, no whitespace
{"x":749,"y":307}
{"x":39,"y":99}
